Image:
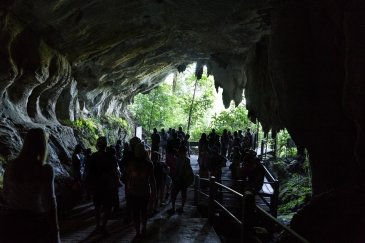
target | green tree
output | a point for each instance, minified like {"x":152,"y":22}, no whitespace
{"x":235,"y":118}
{"x":166,"y":106}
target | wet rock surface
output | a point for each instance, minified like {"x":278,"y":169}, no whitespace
{"x":299,"y":62}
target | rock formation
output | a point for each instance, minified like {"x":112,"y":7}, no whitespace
{"x":298,"y":62}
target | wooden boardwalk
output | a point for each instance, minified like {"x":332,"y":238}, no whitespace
{"x":78,"y":225}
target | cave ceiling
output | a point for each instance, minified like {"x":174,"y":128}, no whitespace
{"x":126,"y":47}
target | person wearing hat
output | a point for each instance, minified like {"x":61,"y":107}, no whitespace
{"x":102,"y":182}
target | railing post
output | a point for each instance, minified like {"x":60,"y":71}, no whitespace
{"x":212,"y":193}
{"x":196,"y":189}
{"x":248,"y":207}
{"x":274,"y":199}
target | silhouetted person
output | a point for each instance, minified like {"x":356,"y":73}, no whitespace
{"x":161,"y":171}
{"x":155,"y":140}
{"x":225,"y":141}
{"x":249,"y":138}
{"x":103,"y":179}
{"x":186,"y":143}
{"x":29,"y":193}
{"x":141,"y":187}
{"x":128,"y":158}
{"x":181,"y":179}
{"x":76,"y":163}
{"x":204,"y":161}
{"x":216,"y":163}
{"x":212,"y":138}
{"x":163,"y":136}
{"x":252,"y":172}
{"x":181,"y":132}
{"x":112,"y":153}
{"x":240,"y":135}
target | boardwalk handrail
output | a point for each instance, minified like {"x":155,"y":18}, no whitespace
{"x":274,"y":200}
{"x":274,"y":197}
{"x":281,"y":225}
{"x":248,"y":207}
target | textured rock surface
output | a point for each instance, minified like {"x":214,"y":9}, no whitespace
{"x":60,"y":59}
{"x":299,"y":62}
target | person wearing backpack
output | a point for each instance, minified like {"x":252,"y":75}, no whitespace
{"x":181,"y":179}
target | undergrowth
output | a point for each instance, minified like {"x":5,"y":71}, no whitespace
{"x":87,"y":130}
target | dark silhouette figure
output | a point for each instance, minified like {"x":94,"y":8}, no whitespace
{"x":76,"y":163}
{"x":102,"y":182}
{"x":128,"y":158}
{"x":252,"y":172}
{"x":225,"y":140}
{"x":181,"y":179}
{"x":155,"y":140}
{"x":141,"y":188}
{"x":29,"y":194}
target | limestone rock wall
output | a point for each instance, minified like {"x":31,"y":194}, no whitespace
{"x":33,"y":75}
{"x":319,"y":98}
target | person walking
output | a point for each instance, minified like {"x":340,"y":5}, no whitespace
{"x":102,"y":182}
{"x":141,"y":187}
{"x":181,"y":179}
{"x":155,"y":141}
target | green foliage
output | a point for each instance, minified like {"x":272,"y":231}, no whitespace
{"x":294,"y":193}
{"x":235,"y":118}
{"x":89,"y":129}
{"x":167,"y":106}
{"x":282,"y":149}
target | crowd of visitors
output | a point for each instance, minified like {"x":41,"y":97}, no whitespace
{"x":152,"y":177}
{"x":149,"y":181}
{"x":214,"y":150}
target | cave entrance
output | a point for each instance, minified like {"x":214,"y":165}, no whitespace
{"x":182,"y":99}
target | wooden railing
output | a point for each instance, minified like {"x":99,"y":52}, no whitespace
{"x":274,"y":197}
{"x":249,"y":209}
